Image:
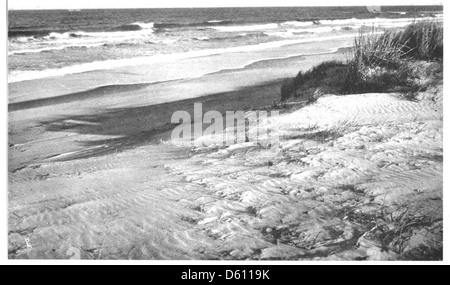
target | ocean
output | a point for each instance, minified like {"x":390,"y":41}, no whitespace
{"x":44,"y":44}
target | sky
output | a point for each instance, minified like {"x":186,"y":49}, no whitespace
{"x":97,"y":4}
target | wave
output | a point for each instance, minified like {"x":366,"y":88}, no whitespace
{"x":50,"y":49}
{"x":376,"y":21}
{"x":387,"y":22}
{"x":299,"y":23}
{"x":27,"y":33}
{"x":232,"y":37}
{"x":289,"y":33}
{"x":319,"y":30}
{"x":164,"y":26}
{"x":49,"y":36}
{"x":59,"y":41}
{"x":70,"y":35}
{"x":18,"y":34}
{"x":145,"y":26}
{"x":202,"y":39}
{"x":76,"y":47}
{"x":247,"y":28}
{"x":128,"y":28}
{"x":219,"y":22}
{"x":221,"y":25}
{"x":138,"y":26}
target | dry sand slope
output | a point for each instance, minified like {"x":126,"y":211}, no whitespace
{"x":354,"y":178}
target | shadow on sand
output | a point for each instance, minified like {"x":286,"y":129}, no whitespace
{"x":126,"y":128}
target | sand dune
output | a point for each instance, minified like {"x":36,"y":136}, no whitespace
{"x":324,"y":196}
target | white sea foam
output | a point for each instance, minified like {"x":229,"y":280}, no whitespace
{"x":290,"y":33}
{"x":51,"y":37}
{"x":318,"y":30}
{"x":246,"y":28}
{"x":202,"y":38}
{"x":145,"y":26}
{"x":56,"y":48}
{"x":61,"y":41}
{"x":297,"y":24}
{"x":377,"y":21}
{"x":217,"y":21}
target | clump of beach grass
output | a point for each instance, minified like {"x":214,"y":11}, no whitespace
{"x":406,"y":61}
{"x":423,"y":41}
{"x":387,"y":62}
{"x":312,"y":83}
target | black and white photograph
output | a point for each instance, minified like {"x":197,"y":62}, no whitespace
{"x":264,"y":131}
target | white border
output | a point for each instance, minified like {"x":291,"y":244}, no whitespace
{"x":52,"y":4}
{"x":4,"y":153}
{"x":4,"y":137}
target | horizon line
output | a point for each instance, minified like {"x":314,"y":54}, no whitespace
{"x":209,"y":7}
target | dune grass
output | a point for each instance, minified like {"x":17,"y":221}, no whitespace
{"x":383,"y":62}
{"x":393,"y":61}
{"x":419,"y":41}
{"x":312,"y":79}
{"x":423,"y":41}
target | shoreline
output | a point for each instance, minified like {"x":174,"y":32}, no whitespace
{"x":119,"y":114}
{"x":104,"y":91}
{"x":140,"y":72}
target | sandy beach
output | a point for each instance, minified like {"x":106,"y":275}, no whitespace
{"x":94,"y":175}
